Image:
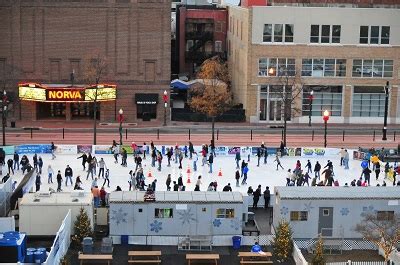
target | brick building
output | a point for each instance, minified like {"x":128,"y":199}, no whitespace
{"x":342,"y":56}
{"x":45,"y":41}
{"x":201,"y":34}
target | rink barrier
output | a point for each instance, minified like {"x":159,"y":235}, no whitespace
{"x":219,"y":150}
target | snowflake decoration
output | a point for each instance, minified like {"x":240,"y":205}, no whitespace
{"x":156,"y":226}
{"x":284,"y":210}
{"x":344,"y":211}
{"x":119,"y":216}
{"x":308,"y":207}
{"x":235,"y":223}
{"x":186,"y":216}
{"x":217,"y":223}
{"x":368,"y":209}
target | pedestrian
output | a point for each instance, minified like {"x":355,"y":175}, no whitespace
{"x":50,"y":174}
{"x":377,"y":169}
{"x":40,"y":164}
{"x":227,"y":188}
{"x":132,"y":180}
{"x":245,"y":171}
{"x":96,"y":196}
{"x":256,"y":196}
{"x":84,"y":160}
{"x":278,"y":162}
{"x":102,"y":166}
{"x":237,"y":177}
{"x":258,"y":156}
{"x":176,"y":152}
{"x":59,"y":181}
{"x":103,"y":195}
{"x":115,"y":152}
{"x":288,"y":177}
{"x":144,"y":150}
{"x":180,"y":156}
{"x":180,"y":182}
{"x":210,"y":162}
{"x":342,"y":154}
{"x":265,"y":155}
{"x":212,"y":147}
{"x":242,"y":167}
{"x":317,"y":169}
{"x":169,"y":156}
{"x":38,"y":182}
{"x":176,"y":186}
{"x":198,"y":183}
{"x":195,"y":159}
{"x":153,"y":156}
{"x":185,"y":150}
{"x":309,"y":166}
{"x":346,"y":159}
{"x":267,"y":197}
{"x":16,"y":161}
{"x":10,"y":163}
{"x":95,"y":164}
{"x":159,"y":160}
{"x":237,"y":158}
{"x":68,"y":175}
{"x":107,"y":178}
{"x":168,"y":182}
{"x":53,"y":151}
{"x":124,"y":157}
{"x":35,"y":161}
{"x":90,"y":169}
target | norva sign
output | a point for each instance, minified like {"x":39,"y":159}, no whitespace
{"x":65,"y":95}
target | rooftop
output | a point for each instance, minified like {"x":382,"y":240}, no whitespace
{"x":59,"y":198}
{"x":338,"y":193}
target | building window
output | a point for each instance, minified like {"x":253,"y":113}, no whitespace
{"x":281,"y":33}
{"x":225,"y":213}
{"x":324,"y":98}
{"x":298,"y":216}
{"x":218,"y":46}
{"x":325,"y":33}
{"x":385,"y":215}
{"x":163,"y":213}
{"x":218,"y":26}
{"x":372,"y":68}
{"x":189,"y":45}
{"x":374,"y":34}
{"x":368,"y":101}
{"x":282,"y":64}
{"x":325,"y":212}
{"x":323,"y":67}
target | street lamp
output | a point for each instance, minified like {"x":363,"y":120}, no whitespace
{"x":310,"y":98}
{"x":165,"y":99}
{"x":4,"y":116}
{"x":384,"y":138}
{"x":326,"y":118}
{"x":120,"y":119}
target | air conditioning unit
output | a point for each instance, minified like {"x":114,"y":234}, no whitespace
{"x":43,"y":194}
{"x":77,"y":194}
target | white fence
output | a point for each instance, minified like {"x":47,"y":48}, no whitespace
{"x":5,"y":194}
{"x":61,"y":242}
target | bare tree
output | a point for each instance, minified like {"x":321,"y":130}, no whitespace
{"x":95,"y":69}
{"x":289,"y":94}
{"x":382,"y":229}
{"x":213,"y":96}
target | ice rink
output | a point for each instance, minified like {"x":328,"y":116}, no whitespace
{"x":265,"y":174}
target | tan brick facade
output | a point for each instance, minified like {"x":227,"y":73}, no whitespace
{"x":47,"y":39}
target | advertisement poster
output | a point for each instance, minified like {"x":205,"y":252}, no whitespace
{"x":221,"y":150}
{"x":9,"y":150}
{"x":128,"y":148}
{"x":309,"y":152}
{"x":233,"y":150}
{"x":293,"y":151}
{"x":102,"y":149}
{"x":33,"y":149}
{"x":358,"y":155}
{"x":84,"y":149}
{"x":66,"y":150}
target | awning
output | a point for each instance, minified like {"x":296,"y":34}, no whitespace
{"x":146,"y":99}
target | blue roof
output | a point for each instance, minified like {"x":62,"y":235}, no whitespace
{"x":179,"y":84}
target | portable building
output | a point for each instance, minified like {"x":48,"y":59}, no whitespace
{"x":182,"y":213}
{"x":332,"y":211}
{"x":42,"y":213}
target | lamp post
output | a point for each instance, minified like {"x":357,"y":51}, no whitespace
{"x":165,"y":99}
{"x":384,"y":138}
{"x":326,"y":118}
{"x":4,"y":116}
{"x":310,"y":98}
{"x":120,"y":119}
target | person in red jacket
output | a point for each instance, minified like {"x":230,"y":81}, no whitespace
{"x":103,"y":194}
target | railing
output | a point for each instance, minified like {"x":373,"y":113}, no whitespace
{"x":5,"y":195}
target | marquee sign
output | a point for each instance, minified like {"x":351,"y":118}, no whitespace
{"x":35,"y":92}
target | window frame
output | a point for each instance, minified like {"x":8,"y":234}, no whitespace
{"x":289,"y":64}
{"x":274,"y":38}
{"x":329,"y":97}
{"x":300,"y":216}
{"x":322,"y":37}
{"x":310,"y":66}
{"x":163,"y":211}
{"x":379,"y":38}
{"x":225,"y":213}
{"x":362,"y":67}
{"x":385,"y":215}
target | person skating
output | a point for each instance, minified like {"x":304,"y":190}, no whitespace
{"x":53,"y":151}
{"x":90,"y":169}
{"x":169,"y":156}
{"x":198,"y":183}
{"x":377,"y":169}
{"x":237,"y":158}
{"x":341,"y":154}
{"x":245,"y":171}
{"x":59,"y":181}
{"x":38,"y":182}
{"x":191,"y":150}
{"x":107,"y":178}
{"x":256,"y":196}
{"x":10,"y":163}
{"x":103,"y":195}
{"x":40,"y":164}
{"x":242,"y":167}
{"x":102,"y":167}
{"x":267,"y":197}
{"x":210,"y":162}
{"x":367,"y":175}
{"x":237,"y":177}
{"x":265,"y":155}
{"x":180,"y":182}
{"x":144,"y":150}
{"x":180,"y":157}
{"x":16,"y":160}
{"x":346,"y":159}
{"x":68,"y":175}
{"x":159,"y":160}
{"x":195,"y":159}
{"x":168,"y":182}
{"x":278,"y":162}
{"x":35,"y":161}
{"x":115,"y":152}
{"x":124,"y":157}
{"x":258,"y":156}
{"x":50,"y":173}
{"x":306,"y":177}
{"x":78,"y":183}
{"x":309,"y":166}
{"x":84,"y":160}
{"x":176,"y":186}
{"x":317,"y":169}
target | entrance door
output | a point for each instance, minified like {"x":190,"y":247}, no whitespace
{"x":325,"y":221}
{"x":275,"y":110}
{"x":203,"y":220}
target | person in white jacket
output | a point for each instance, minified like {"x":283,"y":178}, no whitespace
{"x":50,"y":175}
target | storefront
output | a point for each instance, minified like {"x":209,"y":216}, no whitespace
{"x":146,"y":105}
{"x":66,"y":102}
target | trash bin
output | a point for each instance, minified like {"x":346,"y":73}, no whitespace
{"x":38,"y":257}
{"x":87,"y":245}
{"x":12,"y":124}
{"x":236,"y":240}
{"x":124,"y":240}
{"x":29,"y":257}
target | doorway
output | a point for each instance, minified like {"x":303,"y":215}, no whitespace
{"x":275,"y":110}
{"x":325,"y":221}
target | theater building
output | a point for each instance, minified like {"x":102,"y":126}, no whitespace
{"x":342,"y":55}
{"x":48,"y":46}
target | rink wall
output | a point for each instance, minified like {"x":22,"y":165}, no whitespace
{"x":220,"y":150}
